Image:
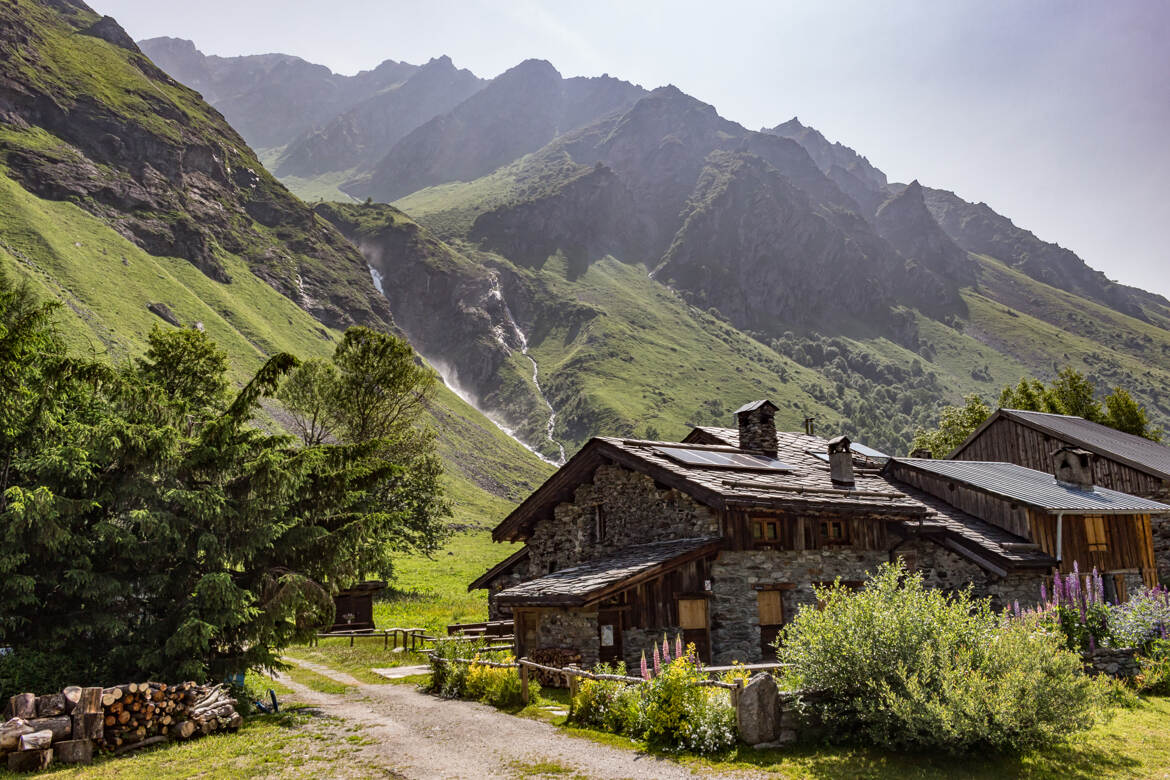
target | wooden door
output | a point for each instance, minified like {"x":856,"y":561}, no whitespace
{"x":525,"y":626}
{"x":609,"y":633}
{"x":692,"y":619}
{"x":771,"y":620}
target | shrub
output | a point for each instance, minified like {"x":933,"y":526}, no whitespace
{"x":1155,"y":669}
{"x":497,"y":686}
{"x":683,"y":716}
{"x":670,"y":711}
{"x":906,"y":665}
{"x":1142,"y":621}
{"x":609,"y":705}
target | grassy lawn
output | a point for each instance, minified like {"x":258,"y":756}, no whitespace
{"x":294,"y":743}
{"x":1135,"y":744}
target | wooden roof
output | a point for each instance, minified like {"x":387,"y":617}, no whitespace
{"x":1144,"y":455}
{"x":594,"y":580}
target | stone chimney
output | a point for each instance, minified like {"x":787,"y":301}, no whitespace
{"x":1074,"y":467}
{"x":757,"y":427}
{"x":922,"y":453}
{"x":841,"y":461}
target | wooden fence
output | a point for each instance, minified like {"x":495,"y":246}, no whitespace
{"x":574,"y":674}
{"x":413,"y":640}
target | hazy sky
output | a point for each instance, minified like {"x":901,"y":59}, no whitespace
{"x":1054,"y":112}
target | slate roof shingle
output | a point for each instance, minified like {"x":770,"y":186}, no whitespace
{"x":575,"y":585}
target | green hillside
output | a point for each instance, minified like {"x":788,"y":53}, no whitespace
{"x":105,"y":284}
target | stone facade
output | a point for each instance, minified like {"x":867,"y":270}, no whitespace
{"x":735,"y":622}
{"x":950,"y":572}
{"x":518,"y":574}
{"x":1161,"y":528}
{"x":636,"y":640}
{"x":1115,"y":662}
{"x":629,"y":508}
{"x":574,"y":629}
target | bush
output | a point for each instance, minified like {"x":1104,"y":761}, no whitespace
{"x":609,"y":705}
{"x":1155,"y":669}
{"x":669,"y":712}
{"x":680,"y":715}
{"x":480,"y":682}
{"x":906,"y":665}
{"x":1142,"y":621}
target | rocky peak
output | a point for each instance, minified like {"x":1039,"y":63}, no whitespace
{"x":908,"y":225}
{"x":110,"y":31}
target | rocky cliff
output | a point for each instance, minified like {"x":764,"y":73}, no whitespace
{"x":90,"y":119}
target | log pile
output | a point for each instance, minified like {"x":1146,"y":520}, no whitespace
{"x":68,"y":726}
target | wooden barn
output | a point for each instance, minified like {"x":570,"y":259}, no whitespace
{"x":723,"y":536}
{"x":1120,"y":461}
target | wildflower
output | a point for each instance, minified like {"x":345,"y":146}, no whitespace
{"x":1016,"y":607}
{"x":678,"y":646}
{"x":657,"y":662}
{"x":1043,"y":594}
{"x":665,"y":650}
{"x":645,"y":671}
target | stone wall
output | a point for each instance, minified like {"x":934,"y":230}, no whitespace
{"x":635,"y":640}
{"x":635,"y":511}
{"x":572,"y":629}
{"x":950,"y":572}
{"x":519,"y":573}
{"x":767,"y":717}
{"x":1161,"y":529}
{"x":1120,"y":662}
{"x":735,"y":623}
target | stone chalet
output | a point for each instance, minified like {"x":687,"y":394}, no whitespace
{"x":1120,"y":461}
{"x":723,"y":536}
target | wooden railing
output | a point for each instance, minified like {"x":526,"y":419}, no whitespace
{"x":574,"y":674}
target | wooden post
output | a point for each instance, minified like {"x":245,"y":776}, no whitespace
{"x":385,"y":640}
{"x":524,"y":680}
{"x":572,"y":687}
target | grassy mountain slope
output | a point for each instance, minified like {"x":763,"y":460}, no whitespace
{"x":73,"y":257}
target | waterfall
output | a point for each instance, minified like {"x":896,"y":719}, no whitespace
{"x":510,"y":328}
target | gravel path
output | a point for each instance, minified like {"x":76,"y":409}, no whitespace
{"x":415,"y":735}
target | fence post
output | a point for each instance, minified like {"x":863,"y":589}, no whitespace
{"x":570,"y":669}
{"x":735,"y":694}
{"x":524,"y":680}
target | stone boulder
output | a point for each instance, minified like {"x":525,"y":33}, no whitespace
{"x":757,"y":711}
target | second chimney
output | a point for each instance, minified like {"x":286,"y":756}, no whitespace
{"x":1074,"y":467}
{"x":840,"y":461}
{"x":757,"y":427}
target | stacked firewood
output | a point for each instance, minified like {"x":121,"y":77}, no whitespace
{"x":140,"y":714}
{"x":558,"y":657}
{"x":68,"y":726}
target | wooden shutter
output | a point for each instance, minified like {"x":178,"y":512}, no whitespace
{"x":692,"y":613}
{"x":771,"y":608}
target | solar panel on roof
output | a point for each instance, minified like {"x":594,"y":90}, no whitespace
{"x":724,"y":460}
{"x":868,"y":452}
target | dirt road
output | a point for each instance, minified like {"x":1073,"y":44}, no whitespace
{"x":414,"y":735}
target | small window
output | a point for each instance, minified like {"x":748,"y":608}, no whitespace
{"x":1096,"y":535}
{"x":600,"y":529}
{"x":765,"y":531}
{"x":834,"y":532}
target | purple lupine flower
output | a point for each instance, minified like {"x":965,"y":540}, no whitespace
{"x":657,"y":661}
{"x":1057,"y":590}
{"x":678,"y":646}
{"x":1092,"y":644}
{"x":665,"y":650}
{"x":1098,"y":586}
{"x":1077,"y":569}
{"x":645,"y":671}
{"x":1043,"y":594}
{"x":1081,"y":604}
